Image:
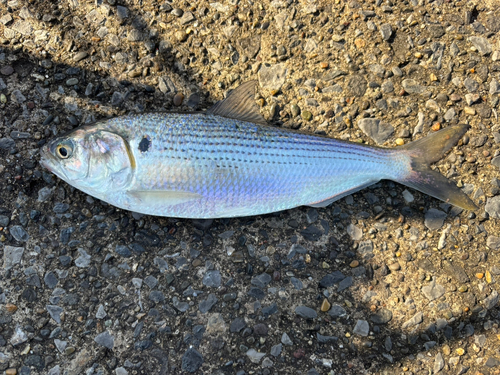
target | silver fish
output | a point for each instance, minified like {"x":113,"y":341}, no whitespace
{"x":226,"y":162}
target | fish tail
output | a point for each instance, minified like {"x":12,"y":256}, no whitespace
{"x":428,"y":150}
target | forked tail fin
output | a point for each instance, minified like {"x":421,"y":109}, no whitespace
{"x":428,"y":150}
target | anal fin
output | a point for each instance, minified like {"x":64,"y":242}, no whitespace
{"x":341,"y":195}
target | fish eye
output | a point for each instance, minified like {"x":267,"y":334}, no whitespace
{"x":64,"y":151}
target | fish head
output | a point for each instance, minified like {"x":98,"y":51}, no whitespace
{"x":93,"y":160}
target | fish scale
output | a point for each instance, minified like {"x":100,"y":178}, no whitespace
{"x":240,"y":165}
{"x":227,"y":162}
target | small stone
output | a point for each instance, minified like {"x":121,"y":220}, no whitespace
{"x":416,"y":319}
{"x":469,"y":111}
{"x":261,"y":281}
{"x":450,"y":114}
{"x":55,"y":313}
{"x":19,"y":233}
{"x":11,"y":256}
{"x":237,"y":325}
{"x":83,"y":260}
{"x":356,"y":86}
{"x":362,"y":328}
{"x":438,"y":363}
{"x":383,"y":316}
{"x":105,"y":339}
{"x":207,"y":304}
{"x":181,"y":35}
{"x":272,"y":77}
{"x":18,"y":337}
{"x":307,"y":115}
{"x":101,"y":313}
{"x":212,"y":279}
{"x":412,"y":86}
{"x":285,"y":339}
{"x":306,"y":312}
{"x":254,"y":356}
{"x":7,"y":70}
{"x":295,"y":109}
{"x":482,"y":44}
{"x":434,"y":219}
{"x":354,"y":232}
{"x":186,"y":18}
{"x":492,"y":300}
{"x":325,"y":305}
{"x":408,"y":197}
{"x":380,"y":132}
{"x":80,"y":56}
{"x":134,"y":35}
{"x":191,"y":360}
{"x":178,"y":98}
{"x":493,"y":207}
{"x":433,"y":291}
{"x":121,"y":12}
{"x":492,"y":362}
{"x":386,"y":31}
{"x":276,"y":350}
{"x":471,"y":84}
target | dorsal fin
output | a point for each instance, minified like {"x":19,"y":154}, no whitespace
{"x":239,"y":105}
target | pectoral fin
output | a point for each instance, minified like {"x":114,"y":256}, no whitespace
{"x":163,"y":197}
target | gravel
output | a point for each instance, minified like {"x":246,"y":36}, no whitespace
{"x":384,"y":280}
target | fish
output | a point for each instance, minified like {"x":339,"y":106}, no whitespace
{"x":228,"y":162}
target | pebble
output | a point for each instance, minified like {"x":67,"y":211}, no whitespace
{"x":450,"y":114}
{"x":325,"y":305}
{"x":178,"y":98}
{"x":345,"y":284}
{"x":6,"y":70}
{"x":55,"y":312}
{"x":362,"y":328}
{"x":434,"y":219}
{"x":306,"y":312}
{"x":83,"y":261}
{"x":80,"y":56}
{"x":354,"y":232}
{"x":471,"y":84}
{"x":105,"y":339}
{"x":413,"y":321}
{"x":192,"y":360}
{"x":307,"y":115}
{"x":19,"y":234}
{"x":212,"y":279}
{"x":438,"y":363}
{"x":331,"y":279}
{"x":254,"y":356}
{"x":261,"y":280}
{"x":12,"y":255}
{"x":18,"y":337}
{"x":356,"y":86}
{"x":285,"y":339}
{"x":272,"y":77}
{"x":482,"y":44}
{"x":276,"y":350}
{"x":386,"y":31}
{"x":379,"y":131}
{"x":207,"y":304}
{"x":383,"y":316}
{"x":433,"y":291}
{"x":493,"y":207}
{"x":412,"y":86}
